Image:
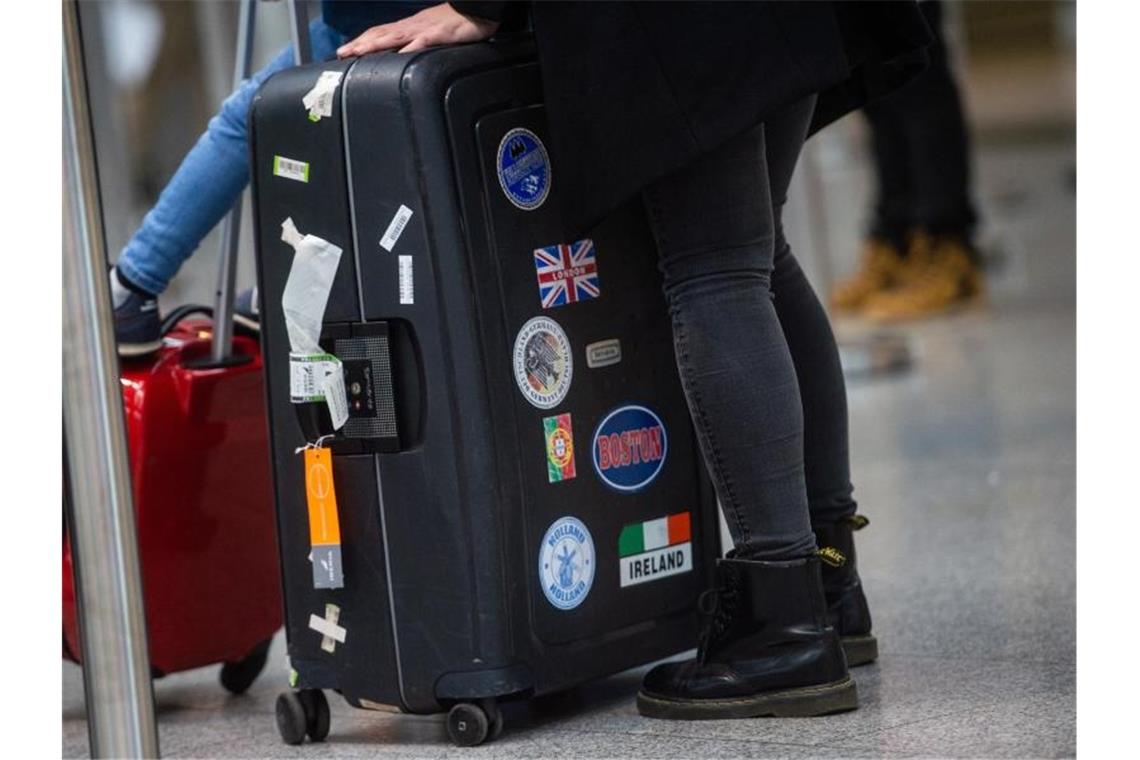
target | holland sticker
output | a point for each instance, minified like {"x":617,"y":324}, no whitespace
{"x":559,"y":434}
{"x":524,"y":169}
{"x":543,"y":363}
{"x":629,"y":448}
{"x":566,"y":563}
{"x":655,"y":549}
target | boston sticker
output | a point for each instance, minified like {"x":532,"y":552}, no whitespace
{"x":559,"y":448}
{"x":543,"y":363}
{"x":566,"y":273}
{"x":524,"y":169}
{"x":630,"y":445}
{"x":655,"y":549}
{"x":566,"y":563}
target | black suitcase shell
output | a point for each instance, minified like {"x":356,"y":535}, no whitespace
{"x":442,"y":517}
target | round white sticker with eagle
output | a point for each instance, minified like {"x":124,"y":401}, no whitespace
{"x":543,"y":362}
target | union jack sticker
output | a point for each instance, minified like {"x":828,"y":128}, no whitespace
{"x":566,"y":273}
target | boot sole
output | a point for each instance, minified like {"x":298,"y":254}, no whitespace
{"x":860,"y":650}
{"x":802,"y":702}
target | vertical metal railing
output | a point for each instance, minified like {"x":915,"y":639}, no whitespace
{"x":116,"y":669}
{"x":222,"y":347}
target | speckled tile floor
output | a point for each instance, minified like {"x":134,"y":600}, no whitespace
{"x":966,"y":466}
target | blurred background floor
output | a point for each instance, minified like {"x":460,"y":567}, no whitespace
{"x":965,"y":464}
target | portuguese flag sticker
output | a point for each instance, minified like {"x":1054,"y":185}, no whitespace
{"x":559,"y":448}
{"x":655,"y":549}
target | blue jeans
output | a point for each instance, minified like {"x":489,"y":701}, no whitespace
{"x":209,"y":180}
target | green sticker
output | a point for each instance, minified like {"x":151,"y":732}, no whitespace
{"x":290,"y":169}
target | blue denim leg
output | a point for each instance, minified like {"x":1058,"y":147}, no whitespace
{"x":208,"y":182}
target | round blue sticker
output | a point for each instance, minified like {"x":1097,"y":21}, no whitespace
{"x":524,"y":169}
{"x":630,"y":445}
{"x":566,"y":563}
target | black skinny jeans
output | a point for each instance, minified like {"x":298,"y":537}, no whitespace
{"x":756,"y":354}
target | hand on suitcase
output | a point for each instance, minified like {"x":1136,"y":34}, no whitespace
{"x":438,"y":25}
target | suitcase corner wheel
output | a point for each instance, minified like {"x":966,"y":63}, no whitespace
{"x":302,"y":712}
{"x":237,"y":677}
{"x":472,"y":723}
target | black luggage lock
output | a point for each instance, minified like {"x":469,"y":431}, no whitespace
{"x":365,"y":350}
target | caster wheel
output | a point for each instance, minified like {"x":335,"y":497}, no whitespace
{"x":317,"y":717}
{"x":291,"y":722}
{"x":495,"y":716}
{"x":238,"y":676}
{"x":467,"y":724}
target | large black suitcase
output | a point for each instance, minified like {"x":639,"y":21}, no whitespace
{"x":521,"y":502}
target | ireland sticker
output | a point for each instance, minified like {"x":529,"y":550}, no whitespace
{"x":566,"y":563}
{"x":543,"y":363}
{"x":655,"y":549}
{"x":559,"y":448}
{"x":524,"y":169}
{"x":630,"y":445}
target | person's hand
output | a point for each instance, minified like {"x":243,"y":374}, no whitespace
{"x":438,"y":25}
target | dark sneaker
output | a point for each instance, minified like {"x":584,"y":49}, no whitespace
{"x":138,"y":330}
{"x":246,"y":311}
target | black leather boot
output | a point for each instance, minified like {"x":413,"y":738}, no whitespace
{"x":846,"y":604}
{"x":766,"y":650}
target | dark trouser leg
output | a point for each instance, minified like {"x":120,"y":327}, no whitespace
{"x":893,"y":213}
{"x":769,"y":648}
{"x":716,"y":236}
{"x":807,"y":331}
{"x":925,"y":120}
{"x":823,"y":396}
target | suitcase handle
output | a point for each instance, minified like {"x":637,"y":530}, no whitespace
{"x":221,"y":350}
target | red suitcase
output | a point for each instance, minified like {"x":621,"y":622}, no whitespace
{"x":204,"y":504}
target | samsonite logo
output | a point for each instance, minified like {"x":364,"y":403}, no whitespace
{"x":630,"y":445}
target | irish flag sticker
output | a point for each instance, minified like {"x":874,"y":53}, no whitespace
{"x":655,"y":549}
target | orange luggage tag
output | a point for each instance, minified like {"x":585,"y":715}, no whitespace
{"x":324,"y":527}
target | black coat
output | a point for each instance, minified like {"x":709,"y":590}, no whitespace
{"x":636,"y":90}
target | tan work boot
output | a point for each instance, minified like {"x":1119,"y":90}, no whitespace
{"x":881,"y":267}
{"x":938,"y":275}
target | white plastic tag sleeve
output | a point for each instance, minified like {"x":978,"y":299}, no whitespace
{"x":319,"y":100}
{"x":333,"y":390}
{"x":307,"y":289}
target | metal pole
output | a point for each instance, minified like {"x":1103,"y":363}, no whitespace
{"x":299,"y":26}
{"x":222,"y":345}
{"x":116,"y":669}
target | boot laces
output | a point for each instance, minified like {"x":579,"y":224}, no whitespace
{"x":718,"y":605}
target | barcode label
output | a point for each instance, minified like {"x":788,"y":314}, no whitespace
{"x":395,"y":228}
{"x":290,"y":169}
{"x":407,"y":287}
